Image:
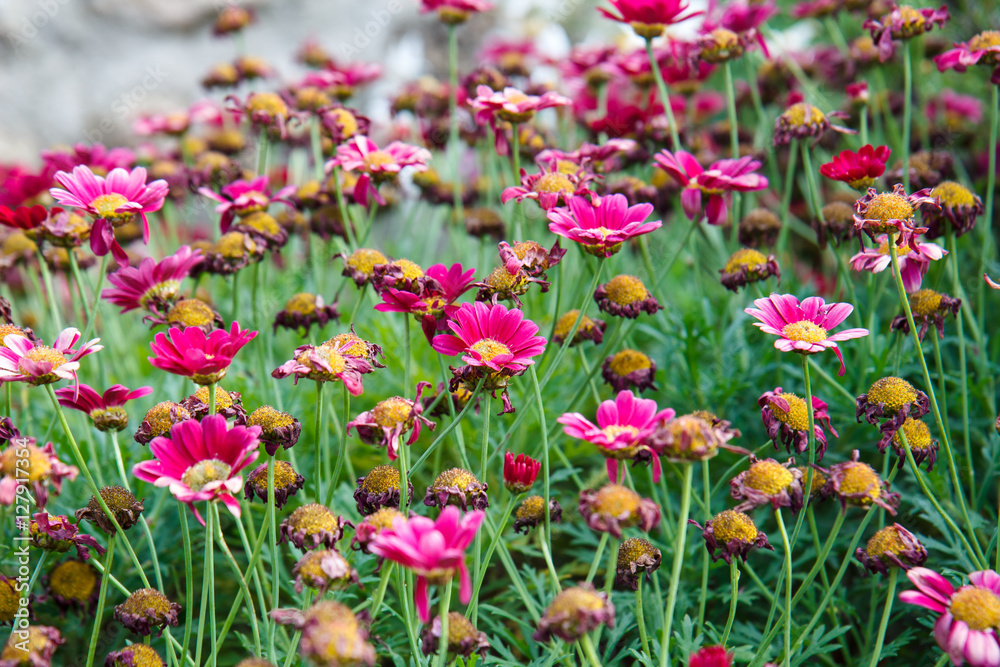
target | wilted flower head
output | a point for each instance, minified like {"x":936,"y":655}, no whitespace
{"x":287,"y":483}
{"x":44,"y":470}
{"x":893,"y":399}
{"x":625,"y":296}
{"x":73,"y":585}
{"x":918,"y":439}
{"x":360,"y":264}
{"x":463,"y":638}
{"x":386,"y":423}
{"x":767,"y":482}
{"x":531,"y":512}
{"x":326,"y":363}
{"x":927,"y":307}
{"x":574,"y":612}
{"x":802,"y":120}
{"x":635,"y":556}
{"x":892,"y":546}
{"x":983,"y":49}
{"x":960,"y":207}
{"x":323,"y":570}
{"x":760,"y":227}
{"x":56,"y":533}
{"x":277,"y":429}
{"x":459,"y":487}
{"x":331,"y":634}
{"x":691,"y":437}
{"x":41,"y":644}
{"x":313,"y":525}
{"x":120,"y":501}
{"x":229,"y":404}
{"x":892,"y":213}
{"x":914,"y":260}
{"x":304,"y":310}
{"x":786,"y":420}
{"x":613,"y":507}
{"x":856,"y":483}
{"x":732,"y":533}
{"x":588,"y":329}
{"x":629,"y":368}
{"x":147,"y":609}
{"x":746,"y":266}
{"x":159,"y":419}
{"x":903,"y":22}
{"x":380,"y":488}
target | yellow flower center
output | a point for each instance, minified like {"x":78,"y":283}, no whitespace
{"x":888,"y":206}
{"x":43,"y":354}
{"x":381,"y":479}
{"x":383,"y":518}
{"x":38,"y":464}
{"x":144,"y":599}
{"x":346,"y":121}
{"x":617,"y":429}
{"x":8,"y":330}
{"x":805,"y":331}
{"x":223,"y":400}
{"x":925,"y":302}
{"x":565,"y":323}
{"x":234,"y":245}
{"x":918,"y":436}
{"x":977,"y":607}
{"x":860,"y":478}
{"x":350,"y":344}
{"x":14,"y":649}
{"x":268,"y":418}
{"x":457,"y":477}
{"x":570,"y":602}
{"x":634,"y":548}
{"x":302,"y":304}
{"x":18,"y":244}
{"x":729,"y":525}
{"x":768,"y":476}
{"x":554,"y":183}
{"x":392,"y":412}
{"x":313,"y":518}
{"x":801,"y":114}
{"x":190,"y":313}
{"x":310,"y":567}
{"x":159,"y":417}
{"x":745,"y":258}
{"x":629,"y":361}
{"x":488,"y":349}
{"x":531,"y":509}
{"x":819,"y":479}
{"x":893,"y":392}
{"x":377,"y":159}
{"x":363,"y":260}
{"x":625,"y":290}
{"x":797,"y":416}
{"x":334,"y":359}
{"x":142,"y":656}
{"x":73,"y":580}
{"x":108,"y":205}
{"x":500,"y":280}
{"x":617,"y":501}
{"x":203,"y":472}
{"x":263,"y":223}
{"x":9,"y":601}
{"x":911,"y":19}
{"x":165,"y":290}
{"x":954,"y":194}
{"x":269,"y":103}
{"x":411,"y":270}
{"x":988,"y":39}
{"x":885,"y":541}
{"x":284,"y":477}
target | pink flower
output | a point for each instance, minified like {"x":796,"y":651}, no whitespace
{"x":439,"y":287}
{"x":104,"y":410}
{"x":711,"y":656}
{"x":202,"y":461}
{"x":969,"y":616}
{"x":153,"y":284}
{"x":721,"y":177}
{"x":431,"y":549}
{"x":204,"y":359}
{"x":175,"y":123}
{"x":112,"y":201}
{"x":385,"y":424}
{"x":903,"y":22}
{"x":326,"y":363}
{"x":101,"y":160}
{"x":377,"y":164}
{"x":983,"y":49}
{"x":914,"y":260}
{"x":550,"y":185}
{"x":454,"y":11}
{"x":646,"y":15}
{"x":24,"y":360}
{"x":859,"y":170}
{"x":622,"y":426}
{"x":601,"y":225}
{"x":243,"y":197}
{"x":804,"y":327}
{"x":742,"y":17}
{"x":893,"y":212}
{"x":512,"y":105}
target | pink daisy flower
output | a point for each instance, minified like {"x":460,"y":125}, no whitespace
{"x":550,"y":185}
{"x":494,"y":342}
{"x":153,"y":285}
{"x":100,"y":159}
{"x":385,"y":424}
{"x":377,"y":164}
{"x":649,"y":17}
{"x":914,"y":260}
{"x":432,"y":549}
{"x":454,"y":12}
{"x":510,"y":105}
{"x":622,"y":426}
{"x":804,"y":327}
{"x":969,"y":616}
{"x":859,"y":170}
{"x":439,"y":287}
{"x":983,"y":49}
{"x":105,"y":410}
{"x":112,"y":201}
{"x":601,"y":224}
{"x":326,"y":363}
{"x":721,"y":177}
{"x":202,"y":461}
{"x":903,"y":22}
{"x":204,"y":359}
{"x":243,"y":197}
{"x":25,"y":360}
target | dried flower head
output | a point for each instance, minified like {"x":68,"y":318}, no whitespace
{"x":372,"y":525}
{"x":760,"y":227}
{"x":331,"y":634}
{"x":893,"y":399}
{"x":893,"y":213}
{"x":731,"y":533}
{"x":56,"y":533}
{"x":588,"y":329}
{"x":531,"y":512}
{"x":44,"y":470}
{"x":313,"y":525}
{"x":927,"y":307}
{"x":690,"y":437}
{"x":613,"y":507}
{"x":746,"y":266}
{"x":323,"y":570}
{"x":35,"y":650}
{"x":918,"y":439}
{"x":380,"y":488}
{"x":229,"y":404}
{"x":768,"y":482}
{"x":460,"y":487}
{"x":122,"y":504}
{"x":635,"y":556}
{"x":134,"y":655}
{"x":625,"y":296}
{"x":277,"y":429}
{"x":892,"y":546}
{"x":386,"y":423}
{"x":159,"y":419}
{"x":360,"y":264}
{"x":463,"y":637}
{"x":960,"y":207}
{"x":304,"y":310}
{"x":147,"y":609}
{"x":786,"y":420}
{"x":856,"y":483}
{"x":629,"y":368}
{"x":574,"y":612}
{"x":287,"y":483}
{"x":802,"y":120}
{"x":73,"y":585}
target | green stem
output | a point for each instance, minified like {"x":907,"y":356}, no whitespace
{"x":188,"y":577}
{"x":454,"y":147}
{"x":262,"y":152}
{"x":101,"y":597}
{"x":889,"y":597}
{"x":788,"y":587}
{"x":317,"y":150}
{"x":734,"y":580}
{"x":640,"y":618}
{"x":661,"y":85}
{"x":589,"y":651}
{"x":206,"y":583}
{"x":252,"y":565}
{"x":546,"y":465}
{"x":456,"y":420}
{"x":211,"y":398}
{"x":345,"y":214}
{"x":74,"y":266}
{"x":675,"y":571}
{"x":907,"y":111}
{"x":210,"y":576}
{"x":343,"y":449}
{"x":705,"y":560}
{"x":863,"y":117}
{"x":484,"y":453}
{"x":317,"y":448}
{"x":962,"y":364}
{"x":383,"y":583}
{"x":601,"y":545}
{"x":481,"y":576}
{"x":236,"y":296}
{"x":945,"y":439}
{"x":442,"y":658}
{"x":53,"y":300}
{"x":407,"y":362}
{"x":734,"y":145}
{"x":407,"y":603}
{"x":786,"y":196}
{"x":213,"y":508}
{"x":272,"y":531}
{"x":991,"y":180}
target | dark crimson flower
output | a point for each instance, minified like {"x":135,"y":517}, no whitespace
{"x":892,"y":546}
{"x":287,"y":483}
{"x":856,"y":483}
{"x":56,"y":533}
{"x":730,"y":533}
{"x":786,"y":420}
{"x":105,"y":410}
{"x":574,"y":612}
{"x":859,"y":170}
{"x":519,"y":472}
{"x":636,"y":555}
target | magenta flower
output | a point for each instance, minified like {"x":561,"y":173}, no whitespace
{"x":377,"y":164}
{"x":983,"y":49}
{"x":519,"y":472}
{"x":859,"y":170}
{"x":903,"y":22}
{"x":454,"y":11}
{"x":202,"y":461}
{"x":622,"y":427}
{"x":432,"y":549}
{"x":112,"y":201}
{"x":914,"y":260}
{"x":153,"y":285}
{"x":243,"y":197}
{"x":550,"y":185}
{"x":105,"y":410}
{"x":649,"y":17}
{"x":25,"y":360}
{"x":204,"y":359}
{"x":967,"y":628}
{"x":326,"y":363}
{"x":804,"y":327}
{"x":100,"y":159}
{"x":512,"y":105}
{"x":721,"y":177}
{"x":601,"y":225}
{"x":439,"y":287}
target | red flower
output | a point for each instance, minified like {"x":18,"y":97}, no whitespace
{"x":859,"y":170}
{"x":519,"y":472}
{"x":24,"y":217}
{"x":710,"y":656}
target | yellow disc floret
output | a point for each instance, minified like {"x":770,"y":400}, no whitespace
{"x":768,"y":476}
{"x":978,"y":607}
{"x":730,"y":525}
{"x":625,"y":290}
{"x":893,"y":392}
{"x":797,"y":416}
